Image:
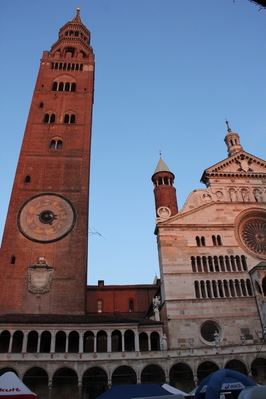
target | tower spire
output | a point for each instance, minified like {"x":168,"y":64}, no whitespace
{"x":77,"y":16}
{"x":232,"y":140}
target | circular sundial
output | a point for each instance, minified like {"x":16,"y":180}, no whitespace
{"x":46,"y":218}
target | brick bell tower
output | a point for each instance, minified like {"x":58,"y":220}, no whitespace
{"x":43,"y":258}
{"x":164,"y":191}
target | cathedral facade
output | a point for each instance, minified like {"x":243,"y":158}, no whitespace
{"x":64,"y":338}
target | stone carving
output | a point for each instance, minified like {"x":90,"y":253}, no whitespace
{"x":245,"y":195}
{"x":40,"y":277}
{"x":164,"y":342}
{"x":258,"y":195}
{"x":206,"y":197}
{"x":156,"y":303}
{"x":216,"y":339}
{"x":164,"y":212}
{"x":233,"y":195}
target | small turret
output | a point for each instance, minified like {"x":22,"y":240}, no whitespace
{"x":164,"y":191}
{"x":232,"y":141}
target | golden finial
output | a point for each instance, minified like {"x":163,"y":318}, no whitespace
{"x":78,"y":9}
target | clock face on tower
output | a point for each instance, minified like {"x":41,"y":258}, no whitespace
{"x":46,"y":218}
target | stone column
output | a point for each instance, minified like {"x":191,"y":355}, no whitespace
{"x":81,"y":336}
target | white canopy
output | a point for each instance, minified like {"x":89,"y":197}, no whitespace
{"x":173,"y":390}
{"x":12,"y":388}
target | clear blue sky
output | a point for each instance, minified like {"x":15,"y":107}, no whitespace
{"x":168,"y":73}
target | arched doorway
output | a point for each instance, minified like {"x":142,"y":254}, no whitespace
{"x":124,"y":375}
{"x":205,"y":369}
{"x":181,"y":377}
{"x":236,"y":365}
{"x":65,"y":384}
{"x":94,"y":382}
{"x":152,"y":374}
{"x":258,"y":370}
{"x":36,"y":380}
{"x":6,"y":369}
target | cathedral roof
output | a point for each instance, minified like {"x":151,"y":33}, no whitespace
{"x":90,"y":318}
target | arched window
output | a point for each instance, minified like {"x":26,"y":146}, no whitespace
{"x":249,"y":287}
{"x":216,"y":264}
{"x":32,"y":342}
{"x":214,"y":289}
{"x":204,"y":261}
{"x":13,"y":260}
{"x":155,"y":341}
{"x":129,"y":341}
{"x":116,"y":341}
{"x":214,"y":241}
{"x":197,"y":290}
{"x":143,"y":342}
{"x":66,"y":118}
{"x":73,"y":87}
{"x":209,"y":291}
{"x":222,"y":264}
{"x":45,"y":342}
{"x":243,"y":287}
{"x":203,"y":242}
{"x":199,"y":268}
{"x":88,"y":342}
{"x":27,"y":179}
{"x":210,"y":263}
{"x":237,"y":288}
{"x":49,"y":118}
{"x":101,"y":341}
{"x":57,"y":144}
{"x":73,"y":342}
{"x":99,"y":306}
{"x":202,"y":289}
{"x":131,"y":306}
{"x":54,"y":86}
{"x":4,"y":341}
{"x":226,"y":289}
{"x":233,"y":265}
{"x":219,"y":240}
{"x":67,"y":86}
{"x":238,"y":263}
{"x":244,"y":262}
{"x":17,"y":342}
{"x":72,"y":118}
{"x":60,"y":342}
{"x":41,"y":105}
{"x":61,"y":86}
{"x":220,"y":289}
{"x":227,"y":262}
{"x":198,"y":241}
{"x":193,"y":264}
